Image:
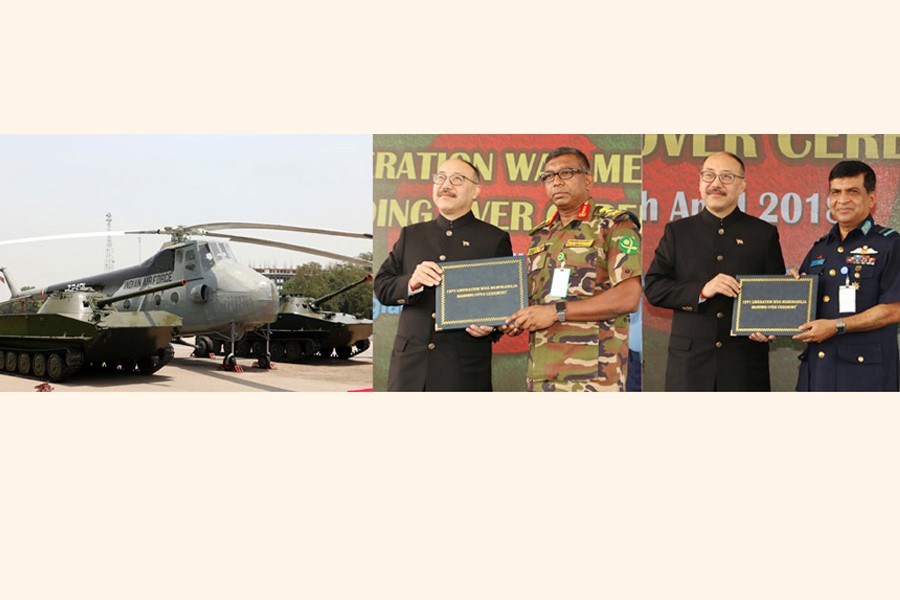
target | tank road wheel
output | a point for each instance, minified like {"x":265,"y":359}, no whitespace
{"x":55,"y":367}
{"x":243,"y":348}
{"x":12,"y":361}
{"x":276,"y":350}
{"x":147,"y":365}
{"x":39,"y":365}
{"x":326,"y":352}
{"x":74,"y":360}
{"x":293,"y":351}
{"x":128,"y":365}
{"x":310,"y":347}
{"x":362,"y":346}
{"x":24,"y":363}
{"x":344,"y":352}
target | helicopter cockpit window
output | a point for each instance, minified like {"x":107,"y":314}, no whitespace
{"x":190,"y":259}
{"x":222,"y":251}
{"x":206,"y":256}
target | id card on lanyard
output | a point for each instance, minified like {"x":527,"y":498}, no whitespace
{"x":847,"y":298}
{"x":559,"y":286}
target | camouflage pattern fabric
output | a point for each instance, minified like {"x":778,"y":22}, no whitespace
{"x":601,"y":250}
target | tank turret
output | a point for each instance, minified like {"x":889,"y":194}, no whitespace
{"x":303,"y":330}
{"x":52,"y":337}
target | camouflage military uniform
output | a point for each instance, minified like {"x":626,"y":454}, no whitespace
{"x":602,"y":248}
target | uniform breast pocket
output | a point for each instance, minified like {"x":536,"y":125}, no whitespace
{"x":538,"y":276}
{"x":864,"y":271}
{"x":583,"y":275}
{"x":537,"y":261}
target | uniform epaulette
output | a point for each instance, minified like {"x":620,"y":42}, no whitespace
{"x":616,"y":215}
{"x":821,"y":239}
{"x":605,"y":211}
{"x":542,"y":225}
{"x":886,"y":231}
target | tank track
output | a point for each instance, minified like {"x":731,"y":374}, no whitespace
{"x":282,"y":351}
{"x":41,"y":365}
{"x":44,"y":365}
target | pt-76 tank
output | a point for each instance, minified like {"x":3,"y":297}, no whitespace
{"x":70,"y":329}
{"x":303,"y":330}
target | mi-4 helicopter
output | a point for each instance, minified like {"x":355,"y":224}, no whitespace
{"x":222,"y":298}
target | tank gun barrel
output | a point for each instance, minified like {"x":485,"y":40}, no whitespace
{"x":346,"y":288}
{"x":142,"y":292}
{"x":13,"y":288}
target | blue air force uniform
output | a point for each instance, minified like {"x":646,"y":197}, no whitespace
{"x":863,"y":361}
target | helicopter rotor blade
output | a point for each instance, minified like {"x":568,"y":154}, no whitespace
{"x":285,"y":246}
{"x":63,"y":236}
{"x":247,"y":240}
{"x":276,"y":227}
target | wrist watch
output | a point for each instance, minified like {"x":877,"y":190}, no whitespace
{"x":841,"y":327}
{"x":561,"y":311}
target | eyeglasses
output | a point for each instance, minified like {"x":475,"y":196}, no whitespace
{"x":567,"y":173}
{"x":455,"y":179}
{"x":726,"y":178}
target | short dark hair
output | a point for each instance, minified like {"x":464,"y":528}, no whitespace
{"x":565,"y":151}
{"x":474,"y":168}
{"x":732,"y":155}
{"x":852,"y":168}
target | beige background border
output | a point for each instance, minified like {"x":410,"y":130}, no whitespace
{"x":501,"y":496}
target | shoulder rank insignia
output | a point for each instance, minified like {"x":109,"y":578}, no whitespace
{"x":605,"y":211}
{"x":545,"y":223}
{"x":866,"y":227}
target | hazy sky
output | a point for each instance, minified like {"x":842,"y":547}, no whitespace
{"x":56,"y":185}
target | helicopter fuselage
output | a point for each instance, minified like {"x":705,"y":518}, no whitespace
{"x":221,"y":296}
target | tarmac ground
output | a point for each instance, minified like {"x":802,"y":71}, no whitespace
{"x":191,"y":374}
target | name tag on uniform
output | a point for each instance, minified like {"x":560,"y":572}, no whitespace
{"x":847,"y":299}
{"x":559,"y":287}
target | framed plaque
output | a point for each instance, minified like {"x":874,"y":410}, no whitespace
{"x":774,"y":304}
{"x":480,"y":292}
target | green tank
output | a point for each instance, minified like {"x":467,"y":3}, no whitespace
{"x":303,"y":330}
{"x":53,"y":337}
